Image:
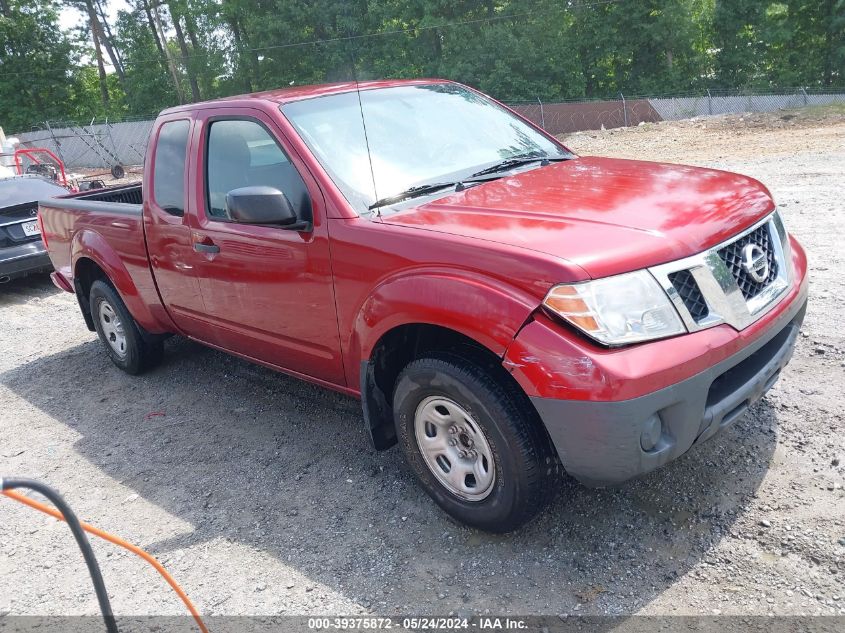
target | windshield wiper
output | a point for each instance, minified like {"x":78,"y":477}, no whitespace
{"x":411,"y":192}
{"x":508,"y":163}
{"x":516,"y":161}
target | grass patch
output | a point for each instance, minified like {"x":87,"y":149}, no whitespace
{"x":819,"y":111}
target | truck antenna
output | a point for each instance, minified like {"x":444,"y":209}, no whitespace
{"x":363,"y":118}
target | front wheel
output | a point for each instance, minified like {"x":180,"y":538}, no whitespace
{"x":474,"y":442}
{"x":120,"y":335}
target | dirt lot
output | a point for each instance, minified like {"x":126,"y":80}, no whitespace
{"x":261,"y":495}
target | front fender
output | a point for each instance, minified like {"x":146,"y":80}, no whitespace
{"x":485,"y":309}
{"x":91,"y":245}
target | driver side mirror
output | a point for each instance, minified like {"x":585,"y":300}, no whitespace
{"x":263,"y":205}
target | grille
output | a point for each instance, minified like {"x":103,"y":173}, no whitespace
{"x":690,"y":294}
{"x":25,"y":211}
{"x":712,"y":287}
{"x":732,"y":256}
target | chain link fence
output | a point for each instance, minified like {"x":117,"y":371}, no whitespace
{"x":716,"y":102}
{"x":575,"y":116}
{"x":103,"y":145}
{"x":97,"y":145}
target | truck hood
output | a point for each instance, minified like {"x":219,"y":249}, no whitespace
{"x":608,"y":216}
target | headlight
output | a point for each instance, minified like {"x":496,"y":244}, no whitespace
{"x":617,"y":310}
{"x":783,"y":234}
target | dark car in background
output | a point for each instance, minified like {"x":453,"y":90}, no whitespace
{"x":21,"y":250}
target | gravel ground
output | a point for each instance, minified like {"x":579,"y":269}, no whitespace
{"x":261,"y":496}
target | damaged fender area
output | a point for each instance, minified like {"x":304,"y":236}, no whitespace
{"x":603,"y":435}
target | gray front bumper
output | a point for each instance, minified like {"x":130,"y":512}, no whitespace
{"x":600,"y":443}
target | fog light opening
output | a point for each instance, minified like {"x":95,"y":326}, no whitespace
{"x":652,"y":432}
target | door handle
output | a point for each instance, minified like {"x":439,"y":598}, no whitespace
{"x":206,"y":248}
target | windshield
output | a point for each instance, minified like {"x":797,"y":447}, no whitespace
{"x":416,"y":135}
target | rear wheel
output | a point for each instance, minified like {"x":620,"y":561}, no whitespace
{"x":474,"y":442}
{"x":120,"y":334}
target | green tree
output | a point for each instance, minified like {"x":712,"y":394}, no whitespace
{"x":35,"y":64}
{"x":149,"y":87}
{"x":779,"y":44}
{"x":84,"y":100}
{"x":162,"y":52}
{"x":833,"y":70}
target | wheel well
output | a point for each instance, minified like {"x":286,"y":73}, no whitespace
{"x":87,"y":271}
{"x":394,"y":350}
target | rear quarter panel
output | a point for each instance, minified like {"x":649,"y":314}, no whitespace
{"x":112,"y":236}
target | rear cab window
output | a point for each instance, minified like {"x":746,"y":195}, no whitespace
{"x":169,"y":168}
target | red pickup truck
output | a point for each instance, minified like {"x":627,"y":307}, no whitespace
{"x":503,"y":308}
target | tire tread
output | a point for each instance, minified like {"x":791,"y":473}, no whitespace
{"x":540,"y":464}
{"x":149,"y":352}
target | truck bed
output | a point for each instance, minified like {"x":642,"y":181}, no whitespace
{"x":123,"y":200}
{"x":105,"y":227}
{"x":127,"y":194}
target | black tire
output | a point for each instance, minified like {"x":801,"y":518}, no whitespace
{"x":140,"y":353}
{"x":525,"y":463}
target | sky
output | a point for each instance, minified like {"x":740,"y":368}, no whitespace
{"x":69,"y":18}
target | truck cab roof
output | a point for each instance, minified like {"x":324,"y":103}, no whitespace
{"x":298,"y":93}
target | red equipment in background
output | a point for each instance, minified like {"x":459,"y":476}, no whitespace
{"x":54,"y":169}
